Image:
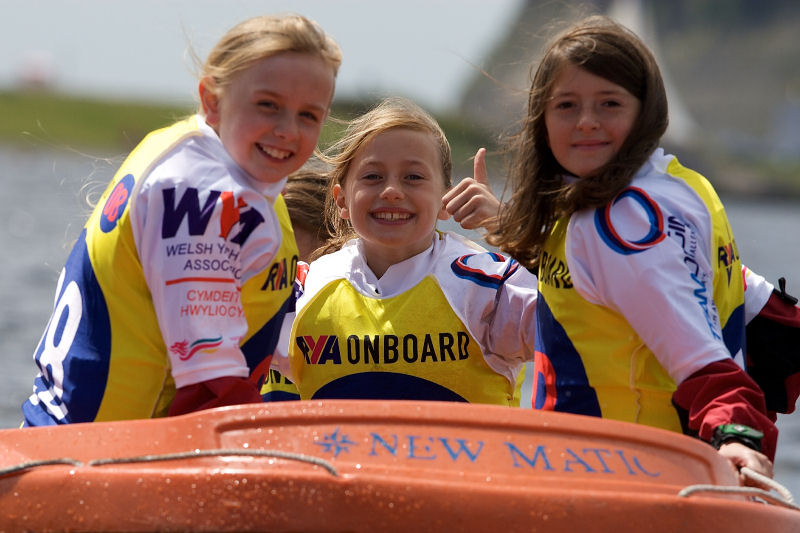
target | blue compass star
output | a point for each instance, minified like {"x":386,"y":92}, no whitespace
{"x":335,"y":443}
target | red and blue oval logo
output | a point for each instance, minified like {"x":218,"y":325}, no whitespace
{"x":611,"y":236}
{"x":116,"y":203}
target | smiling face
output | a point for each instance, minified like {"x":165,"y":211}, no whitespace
{"x":588,"y":119}
{"x":392,"y":195}
{"x":270,"y":116}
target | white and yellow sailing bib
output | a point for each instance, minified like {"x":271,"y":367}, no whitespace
{"x":182,"y":274}
{"x":452,"y":323}
{"x":637,"y":296}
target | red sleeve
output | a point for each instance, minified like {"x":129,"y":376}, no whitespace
{"x":722,"y":393}
{"x":773,"y":351}
{"x":214,"y":393}
{"x":781,"y":310}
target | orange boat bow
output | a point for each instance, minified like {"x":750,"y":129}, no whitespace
{"x":370,"y":466}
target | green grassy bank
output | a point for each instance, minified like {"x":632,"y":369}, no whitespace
{"x":41,"y":119}
{"x":52,"y":120}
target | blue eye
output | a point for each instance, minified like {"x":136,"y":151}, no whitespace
{"x":414,"y":177}
{"x":268,"y":104}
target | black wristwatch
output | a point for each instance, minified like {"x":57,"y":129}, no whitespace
{"x":740,"y":433}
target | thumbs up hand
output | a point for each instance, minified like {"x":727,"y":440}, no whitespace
{"x":472,"y":203}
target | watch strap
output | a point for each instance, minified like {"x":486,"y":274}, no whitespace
{"x":737,"y":432}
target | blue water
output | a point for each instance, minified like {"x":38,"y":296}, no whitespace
{"x":46,"y":199}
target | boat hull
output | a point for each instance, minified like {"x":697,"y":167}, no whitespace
{"x":370,"y":466}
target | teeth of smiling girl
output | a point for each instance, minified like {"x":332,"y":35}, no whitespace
{"x":276,"y":153}
{"x":392,"y":216}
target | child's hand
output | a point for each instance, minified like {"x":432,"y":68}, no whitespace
{"x":471,"y":203}
{"x":740,"y":455}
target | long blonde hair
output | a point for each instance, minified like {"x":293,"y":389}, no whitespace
{"x":540,"y":195}
{"x":264,"y":36}
{"x":388,"y":114}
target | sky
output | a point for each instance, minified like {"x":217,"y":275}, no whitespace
{"x":423,"y":49}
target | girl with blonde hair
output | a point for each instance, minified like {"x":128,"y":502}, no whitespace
{"x":174,"y":293}
{"x":398,"y":309}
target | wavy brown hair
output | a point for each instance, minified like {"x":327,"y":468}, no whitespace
{"x":540,"y":194}
{"x":390,"y":113}
{"x":305,"y":193}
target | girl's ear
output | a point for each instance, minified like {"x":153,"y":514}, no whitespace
{"x":341,"y":202}
{"x":209,"y":100}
